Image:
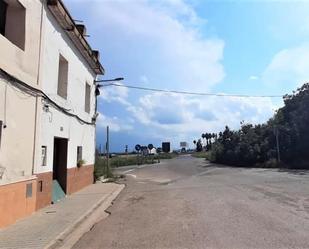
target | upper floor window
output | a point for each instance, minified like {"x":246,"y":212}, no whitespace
{"x":87,"y":98}
{"x":63,"y":77}
{"x":13,"y":22}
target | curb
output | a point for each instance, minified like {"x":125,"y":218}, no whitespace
{"x":73,"y":233}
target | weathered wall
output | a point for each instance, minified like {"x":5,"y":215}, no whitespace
{"x":79,"y":178}
{"x":17,"y":110}
{"x":44,"y":195}
{"x":16,"y":152}
{"x":55,"y":123}
{"x":23,"y":64}
{"x":13,"y":202}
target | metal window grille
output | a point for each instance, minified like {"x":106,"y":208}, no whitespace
{"x":44,"y":156}
{"x":79,"y":153}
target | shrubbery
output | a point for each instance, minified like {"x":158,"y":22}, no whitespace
{"x":101,"y":168}
{"x":255,"y":145}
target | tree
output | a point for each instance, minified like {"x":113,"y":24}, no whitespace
{"x":203,"y":136}
{"x":253,"y":145}
{"x":199,"y":146}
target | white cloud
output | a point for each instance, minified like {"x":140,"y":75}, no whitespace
{"x":114,"y":123}
{"x":158,"y":43}
{"x":289,"y":67}
{"x":116,"y":94}
{"x":253,"y":77}
{"x":181,"y":117}
{"x":159,"y":39}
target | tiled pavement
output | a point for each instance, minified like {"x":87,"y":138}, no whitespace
{"x":43,"y":227}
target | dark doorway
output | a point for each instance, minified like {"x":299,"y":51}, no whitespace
{"x":60,"y":162}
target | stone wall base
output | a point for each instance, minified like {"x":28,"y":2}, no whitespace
{"x":44,"y":189}
{"x":17,"y":200}
{"x":78,"y":178}
{"x":20,"y":199}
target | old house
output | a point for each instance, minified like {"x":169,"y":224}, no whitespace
{"x":47,"y":106}
{"x":67,"y":130}
{"x":20,"y":32}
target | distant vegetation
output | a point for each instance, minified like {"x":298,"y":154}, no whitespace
{"x":256,"y":145}
{"x":101,"y":168}
{"x":201,"y":154}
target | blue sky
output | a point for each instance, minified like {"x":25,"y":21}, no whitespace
{"x":244,"y":47}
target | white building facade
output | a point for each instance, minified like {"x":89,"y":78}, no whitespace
{"x":20,"y":32}
{"x":47,"y":106}
{"x":67,"y":130}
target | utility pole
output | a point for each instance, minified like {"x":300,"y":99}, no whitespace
{"x":107,"y":148}
{"x":277,"y":144}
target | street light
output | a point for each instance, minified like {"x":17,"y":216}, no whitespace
{"x":116,"y":79}
{"x":97,"y":90}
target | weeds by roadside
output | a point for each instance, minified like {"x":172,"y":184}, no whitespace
{"x":202,"y":154}
{"x":101,"y":169}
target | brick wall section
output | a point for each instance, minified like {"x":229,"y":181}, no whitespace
{"x":78,"y":178}
{"x":44,"y":197}
{"x":13,"y":202}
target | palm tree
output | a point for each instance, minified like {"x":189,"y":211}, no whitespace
{"x":214,"y":136}
{"x":207,"y":138}
{"x":203,"y":136}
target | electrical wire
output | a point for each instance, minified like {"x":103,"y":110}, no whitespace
{"x":192,"y":93}
{"x":32,"y":91}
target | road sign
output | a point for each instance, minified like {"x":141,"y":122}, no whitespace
{"x":137,"y":147}
{"x":166,"y":147}
{"x":183,"y":144}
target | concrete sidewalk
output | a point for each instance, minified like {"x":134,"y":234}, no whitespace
{"x":62,"y":224}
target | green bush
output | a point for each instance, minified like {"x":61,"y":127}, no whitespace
{"x":256,"y":145}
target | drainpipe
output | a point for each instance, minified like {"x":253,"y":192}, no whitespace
{"x":95,"y":123}
{"x":36,"y":98}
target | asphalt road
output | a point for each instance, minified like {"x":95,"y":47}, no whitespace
{"x":189,"y":203}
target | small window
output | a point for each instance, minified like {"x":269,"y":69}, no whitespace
{"x":79,"y":153}
{"x":13,"y":22}
{"x":44,"y":155}
{"x":87,"y":98}
{"x":63,"y":77}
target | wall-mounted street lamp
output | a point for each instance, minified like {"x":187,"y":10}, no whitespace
{"x":116,"y":79}
{"x":97,"y":90}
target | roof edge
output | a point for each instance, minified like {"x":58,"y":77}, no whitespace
{"x":65,"y":20}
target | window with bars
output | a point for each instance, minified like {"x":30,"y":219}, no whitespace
{"x":44,"y":156}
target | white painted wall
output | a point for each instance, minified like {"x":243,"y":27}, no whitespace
{"x":18,"y":111}
{"x":23,"y":64}
{"x":53,"y":122}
